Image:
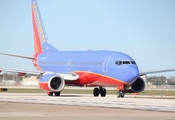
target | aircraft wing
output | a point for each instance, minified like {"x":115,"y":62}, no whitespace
{"x":66,"y":76}
{"x":69,"y":76}
{"x":155,"y":71}
{"x":20,"y":71}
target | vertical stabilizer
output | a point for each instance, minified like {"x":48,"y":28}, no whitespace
{"x":40,"y":38}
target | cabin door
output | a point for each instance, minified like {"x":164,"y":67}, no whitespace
{"x":105,"y":64}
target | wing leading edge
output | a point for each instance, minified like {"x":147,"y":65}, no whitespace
{"x":66,"y":76}
{"x":156,"y":71}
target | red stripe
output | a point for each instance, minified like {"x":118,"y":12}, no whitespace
{"x":44,"y":86}
{"x":37,"y":44}
{"x":93,"y":79}
{"x":35,"y":62}
{"x":89,"y":79}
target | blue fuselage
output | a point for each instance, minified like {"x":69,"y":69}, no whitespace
{"x":113,"y":64}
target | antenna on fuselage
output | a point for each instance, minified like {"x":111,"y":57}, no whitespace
{"x":83,"y":48}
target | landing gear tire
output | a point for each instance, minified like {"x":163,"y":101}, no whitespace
{"x":96,"y":92}
{"x":101,"y":91}
{"x":121,"y":94}
{"x":50,"y":93}
{"x":57,"y":93}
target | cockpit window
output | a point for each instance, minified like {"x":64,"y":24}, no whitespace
{"x":133,"y":62}
{"x":125,"y":62}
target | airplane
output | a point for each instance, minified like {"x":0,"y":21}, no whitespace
{"x":91,"y":68}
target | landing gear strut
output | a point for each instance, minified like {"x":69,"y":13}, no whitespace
{"x":121,"y":94}
{"x":51,"y":93}
{"x":100,"y":90}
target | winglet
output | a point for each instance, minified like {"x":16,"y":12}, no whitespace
{"x":40,"y":38}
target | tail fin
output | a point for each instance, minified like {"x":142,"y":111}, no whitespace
{"x":40,"y":38}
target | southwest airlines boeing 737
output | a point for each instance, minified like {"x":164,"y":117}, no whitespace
{"x":97,"y":69}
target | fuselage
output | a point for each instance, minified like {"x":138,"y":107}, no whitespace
{"x":95,"y":68}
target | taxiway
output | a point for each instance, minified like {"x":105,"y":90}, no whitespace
{"x":78,"y":106}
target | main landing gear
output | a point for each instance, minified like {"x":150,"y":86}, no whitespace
{"x":96,"y":92}
{"x":100,"y":90}
{"x":51,"y":93}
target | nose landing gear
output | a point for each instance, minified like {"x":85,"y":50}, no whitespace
{"x":121,"y":91}
{"x":121,"y":94}
{"x":51,"y":93}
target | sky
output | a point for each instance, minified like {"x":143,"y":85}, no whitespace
{"x":143,"y":29}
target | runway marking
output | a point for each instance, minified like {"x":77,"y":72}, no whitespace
{"x":18,"y":114}
{"x":109,"y":101}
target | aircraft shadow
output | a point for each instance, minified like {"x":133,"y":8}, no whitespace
{"x":70,"y":96}
{"x":29,"y":95}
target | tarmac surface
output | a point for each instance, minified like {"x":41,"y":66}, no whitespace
{"x":20,"y":106}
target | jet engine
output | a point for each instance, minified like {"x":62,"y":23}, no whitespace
{"x":54,"y":82}
{"x":137,"y":86}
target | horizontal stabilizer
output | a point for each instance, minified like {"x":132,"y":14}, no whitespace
{"x":20,"y":56}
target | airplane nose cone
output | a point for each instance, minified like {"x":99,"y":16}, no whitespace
{"x":132,"y":73}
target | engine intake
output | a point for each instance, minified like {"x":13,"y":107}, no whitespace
{"x":55,"y":82}
{"x":137,"y":86}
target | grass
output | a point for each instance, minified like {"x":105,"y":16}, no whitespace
{"x":158,"y":92}
{"x":87,"y":91}
{"x":24,"y":90}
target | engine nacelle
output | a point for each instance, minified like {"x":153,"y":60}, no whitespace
{"x":51,"y":82}
{"x":137,"y":86}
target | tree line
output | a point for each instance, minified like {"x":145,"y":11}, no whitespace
{"x":13,"y":76}
{"x":161,"y":80}
{"x":155,"y":80}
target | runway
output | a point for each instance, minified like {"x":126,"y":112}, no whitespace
{"x":78,"y":105}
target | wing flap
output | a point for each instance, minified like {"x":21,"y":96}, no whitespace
{"x":65,"y":76}
{"x":69,"y":76}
